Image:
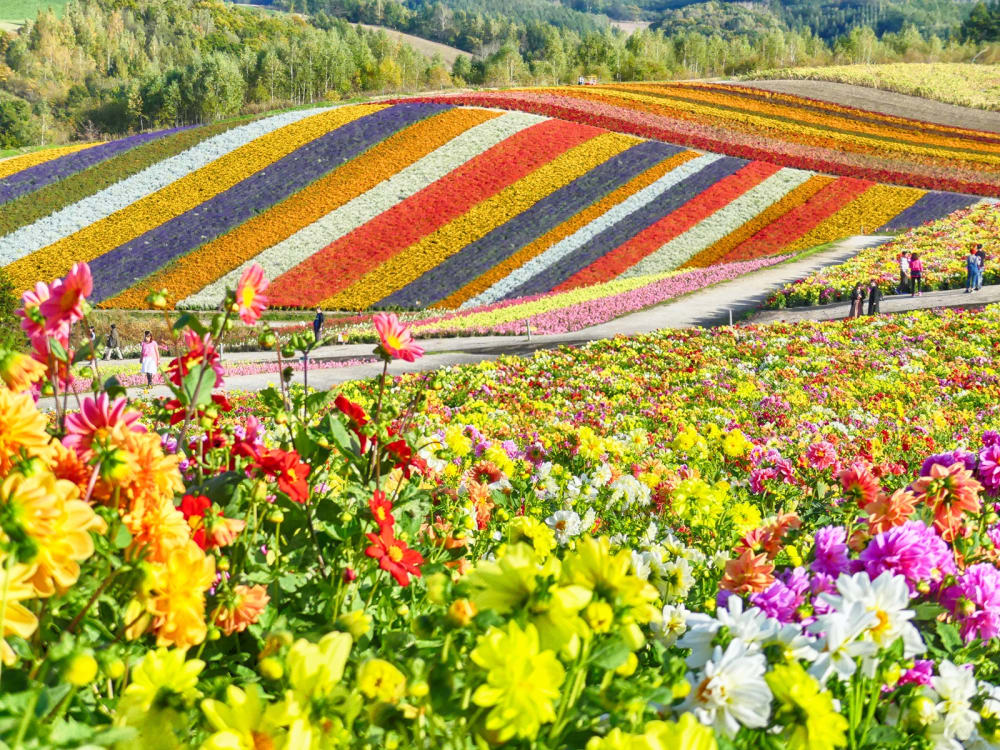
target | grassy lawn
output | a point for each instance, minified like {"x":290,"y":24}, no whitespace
{"x":16,"y":11}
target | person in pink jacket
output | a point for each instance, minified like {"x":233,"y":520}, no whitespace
{"x":149,"y":357}
{"x":916,"y":274}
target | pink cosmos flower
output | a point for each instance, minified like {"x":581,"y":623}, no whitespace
{"x":250,"y":294}
{"x":67,"y":295}
{"x":99,"y":417}
{"x":396,"y":340}
{"x":821,"y":455}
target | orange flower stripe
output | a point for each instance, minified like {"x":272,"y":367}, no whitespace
{"x":204,"y":265}
{"x":564,"y":230}
{"x":410,"y":263}
{"x":178,"y":197}
{"x":17,"y":163}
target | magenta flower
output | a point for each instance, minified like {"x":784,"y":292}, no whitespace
{"x":831,"y":551}
{"x":975,"y":601}
{"x":989,"y":469}
{"x":821,"y":455}
{"x":920,"y":673}
{"x":99,"y":417}
{"x":913,"y":550}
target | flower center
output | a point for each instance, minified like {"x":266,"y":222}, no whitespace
{"x":248,"y":295}
{"x":395,"y":554}
{"x":393,"y":341}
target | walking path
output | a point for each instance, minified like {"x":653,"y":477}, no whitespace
{"x":707,"y":307}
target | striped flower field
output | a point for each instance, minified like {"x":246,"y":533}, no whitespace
{"x":442,"y":203}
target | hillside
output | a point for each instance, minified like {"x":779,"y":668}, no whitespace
{"x":14,"y":12}
{"x":423,"y":46}
{"x":415,"y":204}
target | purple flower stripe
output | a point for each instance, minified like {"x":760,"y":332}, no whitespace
{"x":36,"y":177}
{"x":618,"y":234}
{"x":928,"y":208}
{"x":127,"y":264}
{"x":480,"y":256}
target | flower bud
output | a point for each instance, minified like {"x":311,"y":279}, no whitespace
{"x":461,"y":612}
{"x":633,"y":637}
{"x":157,"y":300}
{"x":271,"y":669}
{"x":350,"y":575}
{"x":402,"y":610}
{"x":419,"y":689}
{"x":222,"y":564}
{"x":267,"y":339}
{"x":356,"y":622}
{"x":81,"y":670}
{"x":276,"y":516}
{"x":436,"y":583}
{"x":629,"y":667}
{"x":115,"y":669}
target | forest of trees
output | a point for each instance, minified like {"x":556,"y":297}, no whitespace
{"x":118,"y":66}
{"x":983,"y":23}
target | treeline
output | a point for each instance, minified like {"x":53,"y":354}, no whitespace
{"x":110,"y":67}
{"x":983,"y":23}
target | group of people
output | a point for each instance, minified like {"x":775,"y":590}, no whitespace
{"x":149,"y":350}
{"x":975,"y":264}
{"x":911,"y":274}
{"x":859,"y":294}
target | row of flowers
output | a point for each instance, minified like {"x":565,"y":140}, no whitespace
{"x":708,"y":538}
{"x":942,"y":245}
{"x":14,"y":164}
{"x":628,"y":117}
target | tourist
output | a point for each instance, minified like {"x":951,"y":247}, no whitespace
{"x":112,"y":345}
{"x":874,"y":298}
{"x":857,"y":301}
{"x":981,"y":254}
{"x":149,"y":357}
{"x":971,"y":271}
{"x":318,"y":323}
{"x":904,"y":272}
{"x":916,"y":275}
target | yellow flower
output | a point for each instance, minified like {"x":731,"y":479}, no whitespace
{"x":18,"y":371}
{"x":745,"y":517}
{"x":22,"y":429}
{"x":526,"y":529}
{"x":593,"y":566}
{"x":161,"y":674}
{"x":314,"y":669}
{"x":17,"y":619}
{"x":616,"y":739}
{"x":457,"y":442}
{"x":176,"y":597}
{"x":522,"y":681}
{"x":381,"y":681}
{"x":805,"y":709}
{"x":687,"y":733}
{"x":735,"y":444}
{"x":244,"y":722}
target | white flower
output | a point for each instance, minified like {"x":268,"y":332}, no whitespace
{"x":673,"y":579}
{"x":841,"y":642}
{"x":955,"y":687}
{"x":795,"y":644}
{"x":752,"y":626}
{"x":887,"y":597}
{"x":629,"y":491}
{"x":731,"y":690}
{"x":672,"y":626}
{"x":642,"y":563}
{"x":601,"y":476}
{"x":566,"y":525}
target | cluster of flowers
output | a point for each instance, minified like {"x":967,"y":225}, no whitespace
{"x":778,"y":128}
{"x":415,"y":204}
{"x":699,"y":539}
{"x":942,"y":245}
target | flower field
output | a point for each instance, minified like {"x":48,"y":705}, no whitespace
{"x":942,"y":246}
{"x":436,"y":204}
{"x":733,"y":538}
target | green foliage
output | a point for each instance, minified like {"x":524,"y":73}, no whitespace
{"x":17,"y":126}
{"x":10,"y":329}
{"x":983,"y":23}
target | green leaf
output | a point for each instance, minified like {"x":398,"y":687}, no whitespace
{"x":949,"y":636}
{"x":198,"y":386}
{"x":58,"y":351}
{"x":114,"y":388}
{"x":83,"y":353}
{"x":611,"y":655}
{"x":123,"y":537}
{"x":187,"y":320}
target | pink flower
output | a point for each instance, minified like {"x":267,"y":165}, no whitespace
{"x":396,"y":340}
{"x":99,"y":417}
{"x":821,"y":455}
{"x":33,"y":322}
{"x":67,"y":296}
{"x":975,"y":601}
{"x":250,"y":294}
{"x":913,"y":550}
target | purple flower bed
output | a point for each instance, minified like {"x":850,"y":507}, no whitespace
{"x":127,"y":264}
{"x":928,"y":208}
{"x":480,"y":256}
{"x":616,"y":235}
{"x":36,"y":177}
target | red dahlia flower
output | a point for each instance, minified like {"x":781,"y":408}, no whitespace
{"x":289,"y":470}
{"x":394,"y":556}
{"x":382,"y":510}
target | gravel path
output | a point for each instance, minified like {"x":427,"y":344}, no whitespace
{"x":885,"y":102}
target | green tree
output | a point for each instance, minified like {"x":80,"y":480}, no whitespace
{"x":17,"y":125}
{"x":10,"y":329}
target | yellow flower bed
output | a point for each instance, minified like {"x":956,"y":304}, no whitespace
{"x":411,"y":263}
{"x":17,"y":163}
{"x":769,"y":215}
{"x":178,"y":197}
{"x":564,"y":230}
{"x":870,"y":210}
{"x":204,"y":265}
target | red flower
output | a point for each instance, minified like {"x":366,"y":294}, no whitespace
{"x":356,"y":418}
{"x":382,"y":510}
{"x":289,"y":470}
{"x":394,"y":556}
{"x":208,"y":527}
{"x":400,"y":451}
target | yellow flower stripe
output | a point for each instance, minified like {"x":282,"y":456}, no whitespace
{"x":758,"y":124}
{"x":787,"y":116}
{"x":430,"y":251}
{"x":870,"y":210}
{"x":204,"y":265}
{"x":713,"y":253}
{"x":17,"y":163}
{"x":549,"y":302}
{"x":178,"y":197}
{"x":564,"y":230}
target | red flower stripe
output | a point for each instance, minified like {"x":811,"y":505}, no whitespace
{"x":343,"y":262}
{"x":670,"y":226}
{"x":647,"y":125}
{"x":801,"y":219}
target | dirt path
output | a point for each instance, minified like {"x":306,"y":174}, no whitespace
{"x":885,"y":102}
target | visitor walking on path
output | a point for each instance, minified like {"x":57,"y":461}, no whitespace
{"x":981,"y":254}
{"x":149,"y":356}
{"x":857,"y":301}
{"x":318,"y":323}
{"x":904,"y":272}
{"x":874,"y":298}
{"x":972,"y":282}
{"x":916,"y":274}
{"x":112,"y":344}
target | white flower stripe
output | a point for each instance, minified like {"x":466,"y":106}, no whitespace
{"x":585,"y":234}
{"x":727,"y":219}
{"x":94,"y":208}
{"x":309,"y":240}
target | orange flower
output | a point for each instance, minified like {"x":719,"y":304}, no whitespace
{"x":18,"y":371}
{"x":176,"y":596}
{"x":157,"y":527}
{"x":22,"y":429}
{"x":66,"y":464}
{"x":250,"y":297}
{"x":860,"y":484}
{"x":18,"y":620}
{"x":748,"y":573}
{"x":951,"y":493}
{"x":250,"y":601}
{"x":888,"y":511}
